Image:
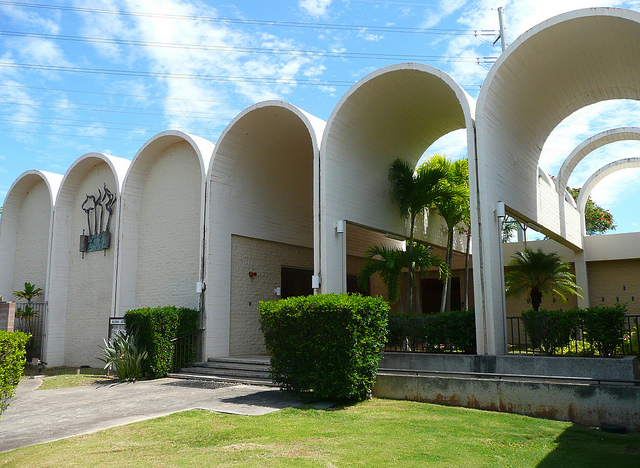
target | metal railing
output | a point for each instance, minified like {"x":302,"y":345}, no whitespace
{"x":519,"y":342}
{"x":187,"y":349}
{"x":31,"y":318}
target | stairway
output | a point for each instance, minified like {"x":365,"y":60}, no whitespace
{"x":252,"y":370}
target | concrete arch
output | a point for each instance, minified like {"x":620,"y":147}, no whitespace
{"x":162,"y":223}
{"x":81,"y":289}
{"x":557,"y":67}
{"x":578,"y":154}
{"x":596,"y":177}
{"x":590,"y":145}
{"x":25,"y":231}
{"x":395,"y":112}
{"x":261,"y":211}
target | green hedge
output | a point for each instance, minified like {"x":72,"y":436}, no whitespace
{"x":12,"y":360}
{"x":447,"y":331}
{"x":155,"y":328}
{"x":551,"y":330}
{"x":325,"y":346}
{"x":604,"y":327}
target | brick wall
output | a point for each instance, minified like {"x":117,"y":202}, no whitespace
{"x":266,"y":259}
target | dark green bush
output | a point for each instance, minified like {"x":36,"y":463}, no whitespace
{"x":155,"y":328}
{"x":604,"y":327}
{"x":12,"y":360}
{"x":455,"y":330}
{"x":549,"y":330}
{"x":326,"y":346}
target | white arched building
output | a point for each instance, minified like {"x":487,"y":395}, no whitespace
{"x":286,"y":204}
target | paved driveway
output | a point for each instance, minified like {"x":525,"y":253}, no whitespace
{"x":40,"y":416}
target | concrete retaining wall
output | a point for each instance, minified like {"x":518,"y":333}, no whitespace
{"x":585,"y":404}
{"x":621,"y":368}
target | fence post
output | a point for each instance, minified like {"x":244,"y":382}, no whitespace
{"x":7,"y":315}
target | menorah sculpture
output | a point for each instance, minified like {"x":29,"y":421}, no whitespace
{"x":97,"y":209}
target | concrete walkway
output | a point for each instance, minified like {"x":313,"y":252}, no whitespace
{"x":40,"y":416}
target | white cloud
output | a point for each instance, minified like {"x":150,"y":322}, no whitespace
{"x":273,"y":75}
{"x":445,"y":8}
{"x":25,"y":17}
{"x":315,"y":8}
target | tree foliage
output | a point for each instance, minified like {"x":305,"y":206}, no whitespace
{"x":454,"y":208}
{"x":537,"y":274}
{"x":597,"y":219}
{"x":389,"y":263}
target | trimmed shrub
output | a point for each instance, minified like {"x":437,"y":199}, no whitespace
{"x":155,"y":328}
{"x":604,"y":327}
{"x":12,"y":360}
{"x":549,"y":330}
{"x":325,"y":346}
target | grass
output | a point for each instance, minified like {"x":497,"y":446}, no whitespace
{"x":374,"y":433}
{"x":63,"y":377}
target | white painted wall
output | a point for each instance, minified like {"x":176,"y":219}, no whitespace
{"x":81,"y":290}
{"x":32,"y":239}
{"x":169,"y":236}
{"x":90,"y":282}
{"x":162,"y":226}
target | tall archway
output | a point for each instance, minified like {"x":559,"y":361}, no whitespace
{"x":395,"y":112}
{"x":561,"y":65}
{"x":162,"y":223}
{"x":261,"y":218}
{"x":25,"y":231}
{"x":81,"y":285}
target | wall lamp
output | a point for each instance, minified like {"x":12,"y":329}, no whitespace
{"x":499,"y":210}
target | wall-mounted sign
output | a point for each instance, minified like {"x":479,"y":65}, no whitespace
{"x":99,"y":210}
{"x":117,"y":326}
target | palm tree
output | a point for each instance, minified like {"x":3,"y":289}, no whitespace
{"x":537,"y":274}
{"x":389,"y":263}
{"x":454,"y":209}
{"x":414,"y":191}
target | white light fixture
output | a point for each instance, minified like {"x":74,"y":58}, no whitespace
{"x":277,"y":291}
{"x":340,"y":226}
{"x":315,"y":282}
{"x":500,"y":211}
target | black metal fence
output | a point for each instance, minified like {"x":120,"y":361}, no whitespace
{"x":31,"y":318}
{"x":519,"y":342}
{"x":187,"y":349}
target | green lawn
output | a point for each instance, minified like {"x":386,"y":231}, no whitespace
{"x":374,"y":433}
{"x":62,"y":377}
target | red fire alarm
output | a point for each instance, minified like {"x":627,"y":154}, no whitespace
{"x":252,"y":274}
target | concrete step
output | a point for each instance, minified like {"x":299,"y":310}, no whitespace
{"x":243,"y":369}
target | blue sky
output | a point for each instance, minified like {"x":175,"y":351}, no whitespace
{"x":107,"y":75}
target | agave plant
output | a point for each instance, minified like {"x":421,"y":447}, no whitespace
{"x":125,"y":357}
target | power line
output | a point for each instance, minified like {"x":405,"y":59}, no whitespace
{"x":142,"y":96}
{"x":190,"y":111}
{"x":251,"y":50}
{"x":347,"y":27}
{"x":73,"y":136}
{"x":164,"y":114}
{"x":180,"y":76}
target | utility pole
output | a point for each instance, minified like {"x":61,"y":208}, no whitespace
{"x":503,"y":40}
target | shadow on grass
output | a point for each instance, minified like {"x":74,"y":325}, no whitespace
{"x":266,"y":399}
{"x":584,"y":447}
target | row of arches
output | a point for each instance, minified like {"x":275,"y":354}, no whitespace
{"x":194,"y":219}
